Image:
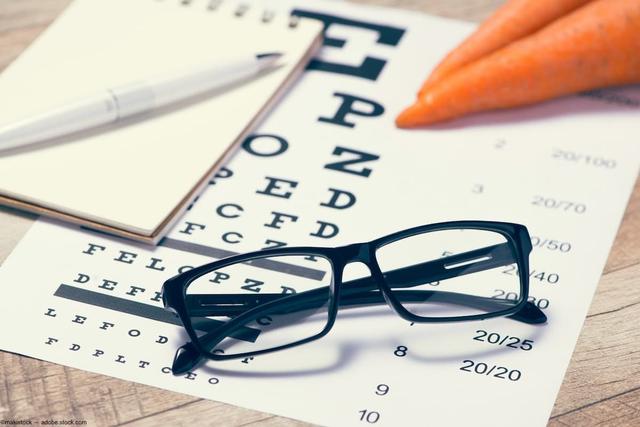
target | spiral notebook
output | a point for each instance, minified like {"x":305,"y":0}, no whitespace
{"x":135,"y":178}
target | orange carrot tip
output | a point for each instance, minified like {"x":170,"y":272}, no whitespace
{"x":411,"y":116}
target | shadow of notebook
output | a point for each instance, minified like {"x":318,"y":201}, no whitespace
{"x":136,"y":177}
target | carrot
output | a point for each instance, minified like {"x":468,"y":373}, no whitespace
{"x":514,"y":20}
{"x":595,"y":46}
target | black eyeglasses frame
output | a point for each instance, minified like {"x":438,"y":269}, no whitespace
{"x":516,"y":235}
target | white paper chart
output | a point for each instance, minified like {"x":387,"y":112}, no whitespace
{"x":327,"y":168}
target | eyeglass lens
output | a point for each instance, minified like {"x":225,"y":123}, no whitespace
{"x":272,"y":302}
{"x":451,"y":273}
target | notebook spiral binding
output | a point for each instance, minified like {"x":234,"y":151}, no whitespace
{"x":241,"y":10}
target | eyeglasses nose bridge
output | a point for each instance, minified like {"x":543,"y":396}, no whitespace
{"x":362,"y":253}
{"x":358,"y":252}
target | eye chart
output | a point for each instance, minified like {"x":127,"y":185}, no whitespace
{"x":327,"y":168}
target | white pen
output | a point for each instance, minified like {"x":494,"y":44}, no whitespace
{"x":130,"y":99}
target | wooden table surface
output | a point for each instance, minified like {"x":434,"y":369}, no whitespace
{"x":601,"y":386}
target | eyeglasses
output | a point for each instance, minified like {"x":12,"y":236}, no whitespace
{"x":275,"y":299}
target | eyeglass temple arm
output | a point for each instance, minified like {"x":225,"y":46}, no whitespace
{"x":188,"y":356}
{"x":312,"y":299}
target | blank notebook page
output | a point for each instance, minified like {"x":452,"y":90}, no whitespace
{"x":134,"y":175}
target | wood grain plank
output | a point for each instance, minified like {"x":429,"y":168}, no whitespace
{"x":626,"y":248}
{"x":18,"y":14}
{"x":208,"y":413}
{"x":620,"y":411}
{"x":14,"y":42}
{"x":36,"y":389}
{"x":608,"y":346}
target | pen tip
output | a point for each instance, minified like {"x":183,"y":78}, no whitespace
{"x":272,"y":56}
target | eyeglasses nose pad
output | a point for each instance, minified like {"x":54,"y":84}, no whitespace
{"x":185,"y":359}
